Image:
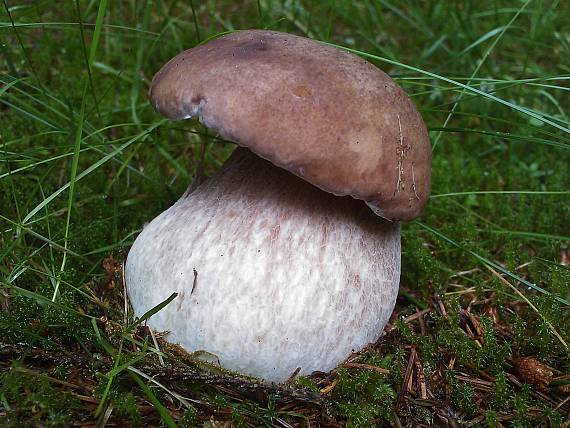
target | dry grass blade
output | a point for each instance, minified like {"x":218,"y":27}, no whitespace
{"x":528,"y":302}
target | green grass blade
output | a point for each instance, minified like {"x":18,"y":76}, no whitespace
{"x":501,"y":101}
{"x":166,"y":418}
{"x":156,"y":309}
{"x":74,"y":164}
{"x":495,"y":266}
{"x":42,"y":300}
{"x":89,"y":170}
{"x":500,"y":192}
{"x":97,"y":31}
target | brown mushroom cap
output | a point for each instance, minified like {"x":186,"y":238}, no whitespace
{"x":324,"y":114}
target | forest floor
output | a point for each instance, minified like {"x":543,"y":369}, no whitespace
{"x":481,"y":328}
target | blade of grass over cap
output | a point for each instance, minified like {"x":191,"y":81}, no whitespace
{"x":509,"y":104}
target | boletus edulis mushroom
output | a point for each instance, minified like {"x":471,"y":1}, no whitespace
{"x":278,"y":261}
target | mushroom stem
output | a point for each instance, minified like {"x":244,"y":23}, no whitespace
{"x":272,"y":273}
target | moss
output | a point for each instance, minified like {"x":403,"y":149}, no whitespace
{"x":125,"y":407}
{"x":363,"y":397}
{"x":304,"y":382}
{"x":501,"y":392}
{"x":491,"y":420}
{"x":29,"y":399}
{"x":521,"y":402}
{"x":189,"y":419}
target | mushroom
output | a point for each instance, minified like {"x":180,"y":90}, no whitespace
{"x":278,"y":263}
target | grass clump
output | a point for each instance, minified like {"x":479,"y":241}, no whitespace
{"x":85,"y":162}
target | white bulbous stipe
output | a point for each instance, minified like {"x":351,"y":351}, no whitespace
{"x":288,"y":276}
